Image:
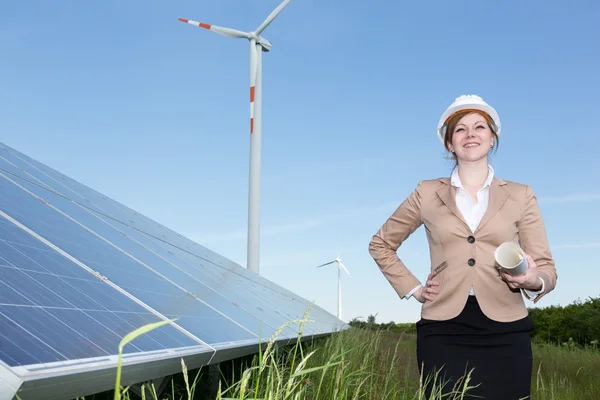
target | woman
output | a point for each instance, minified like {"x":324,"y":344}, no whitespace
{"x":473,"y":317}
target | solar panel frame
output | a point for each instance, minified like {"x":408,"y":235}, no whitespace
{"x":50,"y":380}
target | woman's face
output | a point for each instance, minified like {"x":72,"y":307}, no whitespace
{"x":472,"y":138}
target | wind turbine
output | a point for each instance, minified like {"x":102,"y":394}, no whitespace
{"x":258,"y":44}
{"x":340,"y":265}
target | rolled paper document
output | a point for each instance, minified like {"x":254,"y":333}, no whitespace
{"x":511,"y":258}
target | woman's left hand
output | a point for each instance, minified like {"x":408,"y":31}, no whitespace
{"x":529,"y":280}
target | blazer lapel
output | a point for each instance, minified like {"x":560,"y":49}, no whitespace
{"x":498,"y":196}
{"x":448,"y":195}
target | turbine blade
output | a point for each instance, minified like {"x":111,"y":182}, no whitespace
{"x":322,"y":265}
{"x":272,"y":16}
{"x":233,"y":33}
{"x":253,"y":73}
{"x":342,"y":265}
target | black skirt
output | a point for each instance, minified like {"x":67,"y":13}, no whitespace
{"x":497,"y":355}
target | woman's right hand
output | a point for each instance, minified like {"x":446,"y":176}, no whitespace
{"x":426,"y":293}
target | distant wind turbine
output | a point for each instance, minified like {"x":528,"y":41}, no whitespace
{"x":258,"y":44}
{"x":340,"y":265}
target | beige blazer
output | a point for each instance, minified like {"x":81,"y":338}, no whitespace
{"x":461,"y":257}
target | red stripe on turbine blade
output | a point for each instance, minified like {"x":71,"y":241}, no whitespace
{"x":205,"y":26}
{"x":184,"y":20}
{"x":251,"y":94}
{"x":251,"y":126}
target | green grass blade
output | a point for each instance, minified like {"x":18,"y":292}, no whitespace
{"x":128,"y":338}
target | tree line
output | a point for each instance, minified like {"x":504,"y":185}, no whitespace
{"x":576,"y":324}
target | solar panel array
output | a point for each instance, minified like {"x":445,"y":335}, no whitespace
{"x":78,"y":271}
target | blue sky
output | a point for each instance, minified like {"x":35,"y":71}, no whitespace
{"x":154,"y":113}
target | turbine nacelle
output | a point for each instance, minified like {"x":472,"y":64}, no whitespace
{"x":265,"y":44}
{"x":260,"y":40}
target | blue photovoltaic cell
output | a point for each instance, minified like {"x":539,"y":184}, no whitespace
{"x":259,"y":300}
{"x":27,"y":168}
{"x":262,"y":299}
{"x":53,"y":310}
{"x":187,"y":280}
{"x":280,"y":307}
{"x":212,"y":297}
{"x":146,"y":285}
{"x":24,"y":166}
{"x":285,"y":305}
{"x":217,"y":289}
{"x":19,"y":163}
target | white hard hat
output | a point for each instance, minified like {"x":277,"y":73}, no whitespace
{"x":464,"y":102}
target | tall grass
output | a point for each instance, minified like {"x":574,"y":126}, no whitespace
{"x":349,"y":365}
{"x":366,"y":364}
{"x":565,"y":372}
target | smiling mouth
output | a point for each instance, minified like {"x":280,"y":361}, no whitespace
{"x":470,"y":145}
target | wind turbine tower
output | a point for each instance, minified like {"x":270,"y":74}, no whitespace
{"x":258,"y":44}
{"x":340,"y":265}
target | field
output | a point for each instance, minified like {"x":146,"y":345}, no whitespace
{"x":376,"y":364}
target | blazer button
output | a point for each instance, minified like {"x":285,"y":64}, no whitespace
{"x":471,"y":262}
{"x":471,"y":239}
